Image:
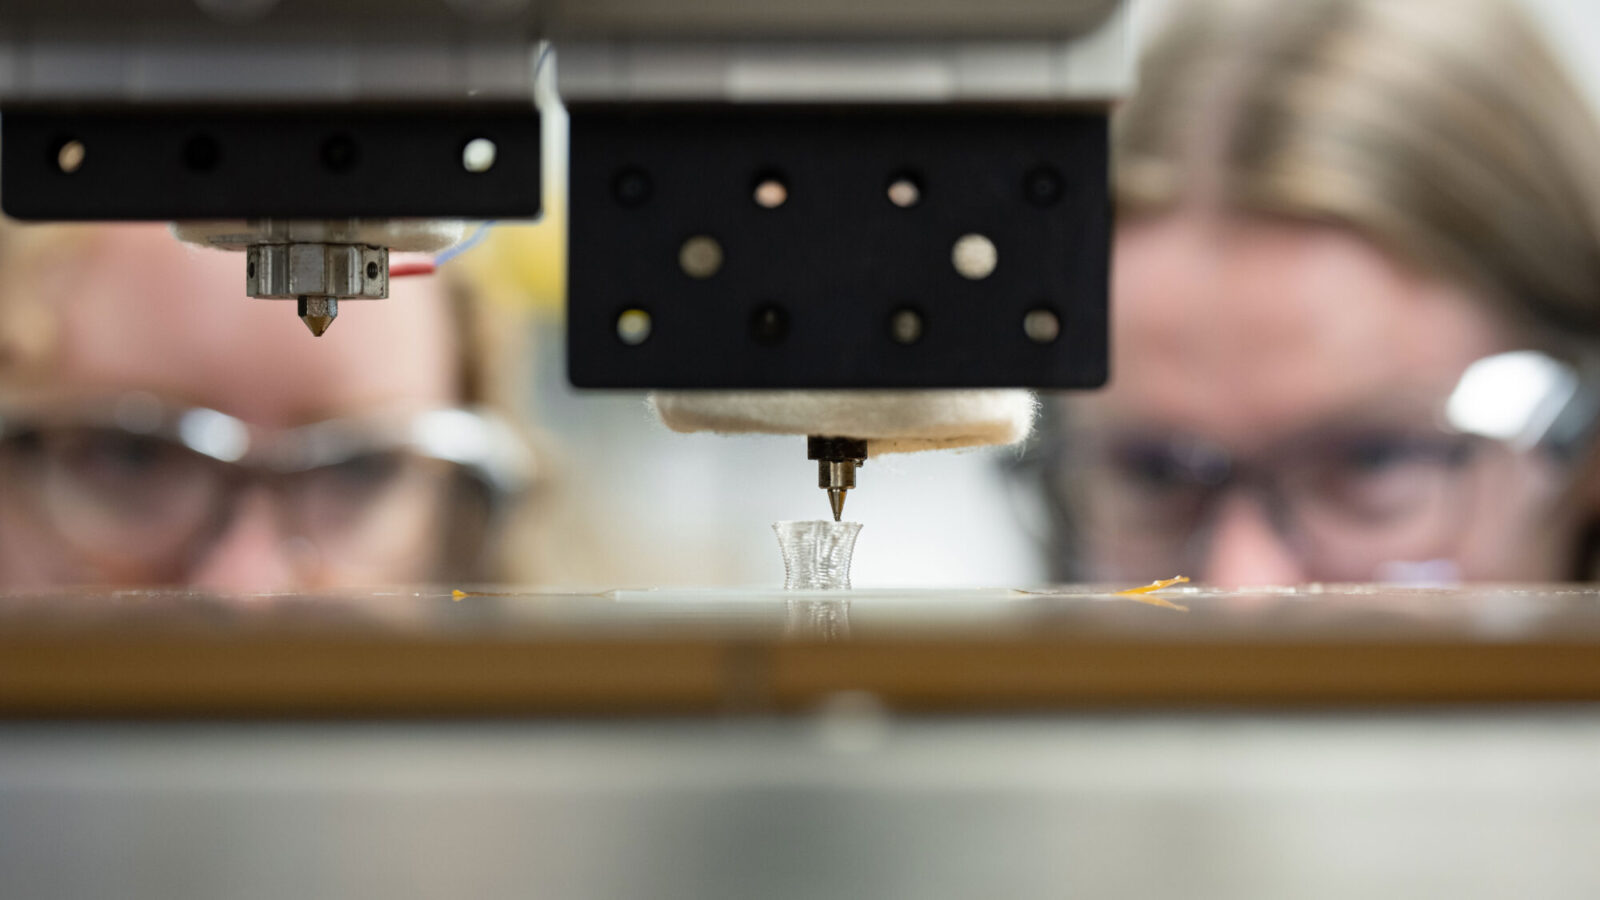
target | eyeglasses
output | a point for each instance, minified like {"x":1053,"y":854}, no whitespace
{"x":1351,"y":501}
{"x":1342,"y":503}
{"x":135,"y":490}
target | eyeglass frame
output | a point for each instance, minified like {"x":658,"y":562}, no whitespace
{"x":475,"y":441}
{"x":1562,"y":425}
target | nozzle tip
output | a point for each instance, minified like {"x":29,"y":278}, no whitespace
{"x":317,"y":324}
{"x":836,"y":500}
{"x":318,"y":313}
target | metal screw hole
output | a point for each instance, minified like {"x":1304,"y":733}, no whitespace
{"x":1041,"y":326}
{"x":770,"y":191}
{"x":478,"y":155}
{"x":631,"y":187}
{"x":905,"y":326}
{"x":340,"y":153}
{"x":905,"y":190}
{"x":633,"y":327}
{"x":1043,"y":186}
{"x":974,"y":256}
{"x":70,"y":155}
{"x":201,"y":153}
{"x":769,"y":324}
{"x":700,"y":256}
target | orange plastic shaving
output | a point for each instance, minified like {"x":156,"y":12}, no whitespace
{"x":1146,"y":594}
{"x":1157,"y":585}
{"x":459,"y":593}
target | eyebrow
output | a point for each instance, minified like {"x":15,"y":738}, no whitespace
{"x":1387,"y":415}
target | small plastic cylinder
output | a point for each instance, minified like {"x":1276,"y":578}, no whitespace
{"x":816,"y":554}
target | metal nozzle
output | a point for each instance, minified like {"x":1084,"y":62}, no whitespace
{"x":318,"y":312}
{"x":837,"y":461}
{"x":317,"y":275}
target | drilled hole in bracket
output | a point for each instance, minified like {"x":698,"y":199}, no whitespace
{"x":769,"y":324}
{"x":771,"y":191}
{"x":700,"y":256}
{"x":633,"y":327}
{"x":1043,"y":186}
{"x":905,"y":326}
{"x":201,"y":153}
{"x":70,"y":154}
{"x":478,"y":155}
{"x":340,"y":153}
{"x":1042,"y":326}
{"x":974,"y":256}
{"x":904,"y":190}
{"x":631,"y":186}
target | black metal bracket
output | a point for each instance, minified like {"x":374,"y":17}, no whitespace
{"x":782,"y":247}
{"x":171,"y":163}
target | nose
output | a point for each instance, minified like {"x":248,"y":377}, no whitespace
{"x":251,"y":555}
{"x":1246,"y":550}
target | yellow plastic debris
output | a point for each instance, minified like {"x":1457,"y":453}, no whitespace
{"x":1146,"y":593}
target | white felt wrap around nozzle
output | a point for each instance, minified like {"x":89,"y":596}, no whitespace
{"x":890,"y":421}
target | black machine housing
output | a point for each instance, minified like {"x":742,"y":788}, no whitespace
{"x":807,"y":292}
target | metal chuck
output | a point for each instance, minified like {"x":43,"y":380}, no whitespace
{"x":837,"y":460}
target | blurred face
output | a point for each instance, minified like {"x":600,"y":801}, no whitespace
{"x":1274,"y":418}
{"x":139,"y":312}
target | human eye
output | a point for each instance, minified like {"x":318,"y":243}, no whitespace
{"x":1155,"y":487}
{"x":1375,"y":455}
{"x":23,"y":445}
{"x":1167,"y":466}
{"x":1382,"y":453}
{"x":380,"y":488}
{"x":359,"y":476}
{"x":116,"y":483}
{"x":1147,"y":466}
{"x":1388,"y":476}
{"x":111,"y":460}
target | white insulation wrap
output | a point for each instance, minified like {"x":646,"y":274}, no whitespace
{"x":890,"y":421}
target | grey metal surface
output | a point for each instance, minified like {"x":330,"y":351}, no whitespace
{"x":825,"y":18}
{"x":1096,"y":67}
{"x":345,"y":271}
{"x":90,"y":60}
{"x":463,"y":51}
{"x":422,"y":12}
{"x":401,"y":235}
{"x":846,"y":805}
{"x":608,"y":17}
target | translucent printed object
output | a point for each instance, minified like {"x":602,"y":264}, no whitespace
{"x":816,"y":555}
{"x":818,"y":619}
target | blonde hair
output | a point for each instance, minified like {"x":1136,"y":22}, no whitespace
{"x":1441,"y":130}
{"x":32,"y":258}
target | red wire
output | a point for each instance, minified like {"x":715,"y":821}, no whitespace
{"x":400,"y":270}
